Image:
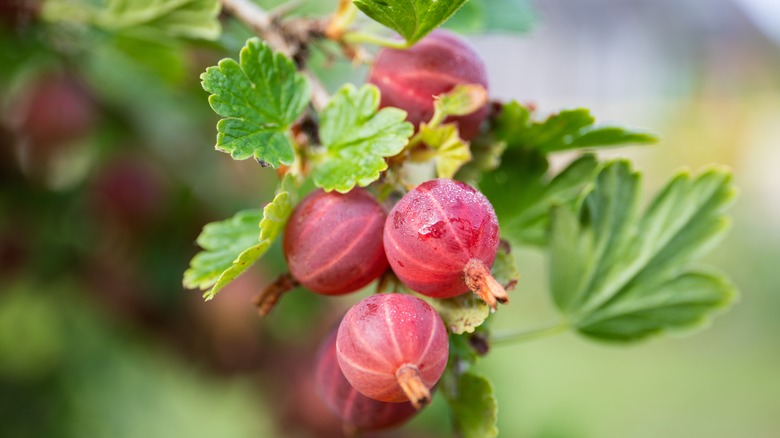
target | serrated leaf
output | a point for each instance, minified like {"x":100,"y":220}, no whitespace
{"x":568,"y":129}
{"x":445,"y":147}
{"x":461,"y":314}
{"x":473,"y":405}
{"x":412,"y":19}
{"x":492,"y":16}
{"x":153,"y":18}
{"x":259,"y":99}
{"x":357,"y":138}
{"x":233,"y":245}
{"x":522,"y":191}
{"x":618,"y":275}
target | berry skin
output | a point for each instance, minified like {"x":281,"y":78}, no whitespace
{"x":355,"y":410}
{"x":409,"y":79}
{"x":392,"y":348}
{"x":333,"y":241}
{"x":441,"y":239}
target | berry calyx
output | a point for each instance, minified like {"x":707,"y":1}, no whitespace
{"x":333,"y":241}
{"x":393,"y":348}
{"x":441,"y":239}
{"x":353,"y":408}
{"x":409,"y":79}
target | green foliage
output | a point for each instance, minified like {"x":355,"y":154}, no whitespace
{"x":504,"y":268}
{"x":259,"y":98}
{"x":569,"y":129}
{"x":412,"y":19}
{"x":522,"y":192}
{"x":512,"y":16}
{"x":151,"y":18}
{"x":232,"y":246}
{"x":473,"y":405}
{"x":461,"y":314}
{"x":357,"y":138}
{"x":445,"y":147}
{"x":621,"y":276}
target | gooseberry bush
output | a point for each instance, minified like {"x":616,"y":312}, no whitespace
{"x":413,"y":187}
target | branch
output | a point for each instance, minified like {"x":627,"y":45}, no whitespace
{"x":261,"y":23}
{"x":289,"y":40}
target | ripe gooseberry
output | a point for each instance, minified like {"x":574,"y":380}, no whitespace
{"x":333,"y":241}
{"x":392,"y":348}
{"x":355,"y":409}
{"x":409,"y":79}
{"x":441,"y":239}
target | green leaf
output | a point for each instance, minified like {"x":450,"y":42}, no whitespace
{"x":522,"y":191}
{"x":620,"y":275}
{"x":259,"y":98}
{"x":461,"y":314}
{"x":153,"y":18}
{"x":357,"y":138}
{"x":473,"y":405}
{"x":445,"y":147}
{"x":233,"y":245}
{"x":569,"y":129}
{"x":412,"y":19}
{"x":462,"y":100}
{"x":493,"y":16}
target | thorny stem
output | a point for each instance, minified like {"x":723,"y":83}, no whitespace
{"x":509,"y":337}
{"x":267,"y":299}
{"x":289,"y":41}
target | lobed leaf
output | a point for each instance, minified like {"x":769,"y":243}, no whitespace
{"x":447,"y":149}
{"x":568,"y":129}
{"x":461,"y":314}
{"x":412,"y":19}
{"x":259,"y":98}
{"x":473,"y":405}
{"x":357,"y":138}
{"x":233,"y":245}
{"x":620,"y":275}
{"x":522,"y":192}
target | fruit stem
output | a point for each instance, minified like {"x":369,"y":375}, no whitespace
{"x":411,"y":383}
{"x":481,"y":282}
{"x":266,"y":300}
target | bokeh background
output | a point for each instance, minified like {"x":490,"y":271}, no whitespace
{"x":99,"y":213}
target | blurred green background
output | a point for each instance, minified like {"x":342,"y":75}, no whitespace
{"x":99,"y":213}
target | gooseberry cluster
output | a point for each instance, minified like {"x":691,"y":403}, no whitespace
{"x":390,"y":349}
{"x":440,"y":240}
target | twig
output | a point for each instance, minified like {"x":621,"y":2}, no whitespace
{"x":287,"y":39}
{"x":261,"y":23}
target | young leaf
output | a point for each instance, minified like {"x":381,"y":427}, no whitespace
{"x":522,"y":192}
{"x":233,"y":245}
{"x":569,"y":129}
{"x":473,"y":405}
{"x":259,"y":98}
{"x":621,"y":276}
{"x":357,"y":138}
{"x":462,"y":100}
{"x":412,"y":19}
{"x":445,"y":147}
{"x":153,"y":18}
